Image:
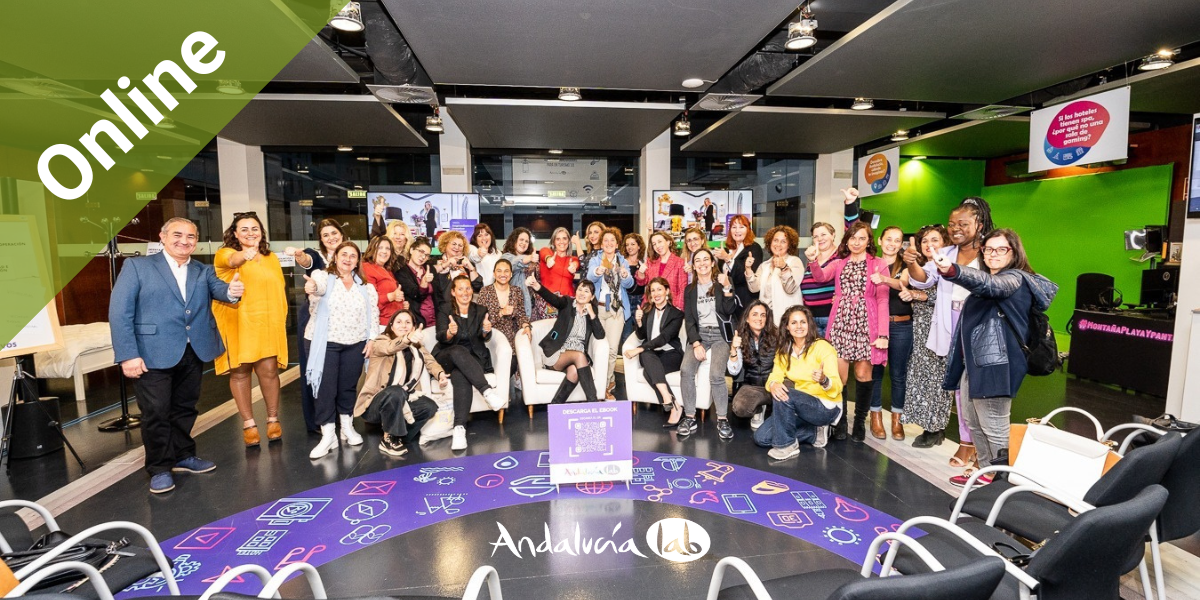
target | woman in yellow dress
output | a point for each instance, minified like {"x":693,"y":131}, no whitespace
{"x":254,"y":329}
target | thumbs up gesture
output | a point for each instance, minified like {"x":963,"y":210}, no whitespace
{"x":912,"y":252}
{"x":723,"y":279}
{"x":850,"y":194}
{"x":417,"y":335}
{"x":236,"y":287}
{"x":638,"y":315}
{"x":550,"y":261}
{"x":533,"y":283}
{"x":250,"y":253}
{"x":905,"y":294}
{"x":811,"y":253}
{"x":943,"y":263}
{"x":487,"y":323}
{"x":310,"y":286}
{"x":452,"y":328}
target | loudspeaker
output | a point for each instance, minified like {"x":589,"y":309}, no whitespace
{"x":1094,"y":291}
{"x":34,"y":431}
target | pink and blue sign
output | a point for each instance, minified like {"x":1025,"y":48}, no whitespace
{"x":1074,"y":131}
{"x":1086,"y":131}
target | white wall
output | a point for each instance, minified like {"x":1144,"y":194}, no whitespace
{"x":654,"y":173}
{"x":834,"y":172}
{"x":1183,"y":390}
{"x":455,"y":158}
{"x":243,"y":181}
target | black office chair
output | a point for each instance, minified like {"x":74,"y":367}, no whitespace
{"x":1094,"y":291}
{"x":1083,"y":561}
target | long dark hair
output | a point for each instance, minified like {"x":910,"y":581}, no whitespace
{"x":712,"y":290}
{"x":1019,"y":260}
{"x":392,"y":321}
{"x":844,"y":249}
{"x":373,"y":249}
{"x":983,"y":214}
{"x":479,"y":228}
{"x":510,"y":244}
{"x":768,"y":339}
{"x":647,"y":304}
{"x":787,"y":343}
{"x":897,"y":265}
{"x":230,"y":235}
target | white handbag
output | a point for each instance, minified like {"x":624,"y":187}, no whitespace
{"x":1057,"y":459}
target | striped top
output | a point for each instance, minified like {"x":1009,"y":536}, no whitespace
{"x":818,"y":297}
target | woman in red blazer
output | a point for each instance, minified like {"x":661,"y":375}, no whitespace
{"x":858,"y":322}
{"x":556,"y":271}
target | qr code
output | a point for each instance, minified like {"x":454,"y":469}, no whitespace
{"x":591,"y":436}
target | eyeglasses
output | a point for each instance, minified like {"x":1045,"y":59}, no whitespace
{"x":1001,"y":251}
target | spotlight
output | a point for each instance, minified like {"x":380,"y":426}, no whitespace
{"x":800,"y":34}
{"x":348,"y":19}
{"x":232,"y":87}
{"x":364,"y":158}
{"x":1159,"y":60}
{"x":900,"y":135}
{"x":433,"y":124}
{"x":693,"y":83}
{"x":921,"y":157}
{"x":862,"y":104}
{"x":683,"y":127}
{"x":748,"y":154}
{"x":554,"y":151}
{"x":345,"y":148}
{"x":569,"y":94}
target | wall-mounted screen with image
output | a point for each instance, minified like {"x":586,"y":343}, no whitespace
{"x":428,"y":215}
{"x":709,"y":210}
{"x":1193,"y":207}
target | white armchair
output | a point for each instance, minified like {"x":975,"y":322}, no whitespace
{"x":499,"y":378}
{"x":539,"y":383}
{"x":639,"y":390}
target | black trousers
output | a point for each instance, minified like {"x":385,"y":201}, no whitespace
{"x":465,"y":373}
{"x":387,"y":409}
{"x":339,"y":381}
{"x":167,"y":399}
{"x":306,"y":396}
{"x":656,"y":366}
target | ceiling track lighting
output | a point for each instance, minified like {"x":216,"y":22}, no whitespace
{"x":800,"y":33}
{"x":1158,"y":61}
{"x":569,"y":94}
{"x":433,"y":123}
{"x":232,"y":87}
{"x":683,"y":127}
{"x":900,"y":135}
{"x":348,"y":19}
{"x":862,"y":104}
{"x":554,"y":151}
{"x":748,"y":154}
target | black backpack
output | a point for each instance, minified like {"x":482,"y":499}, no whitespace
{"x":1041,"y":349}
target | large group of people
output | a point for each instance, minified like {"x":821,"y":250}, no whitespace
{"x":945,"y":311}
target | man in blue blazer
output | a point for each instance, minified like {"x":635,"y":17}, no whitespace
{"x":163,"y":332}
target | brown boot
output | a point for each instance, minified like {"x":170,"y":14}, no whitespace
{"x":897,"y":428}
{"x":877,"y":425}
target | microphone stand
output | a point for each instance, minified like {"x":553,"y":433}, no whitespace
{"x":126,"y":421}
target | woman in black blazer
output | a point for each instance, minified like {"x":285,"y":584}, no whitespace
{"x":740,"y":245}
{"x":415,"y":279}
{"x":462,"y":329}
{"x":658,"y":323}
{"x":709,"y":305}
{"x":566,"y":346}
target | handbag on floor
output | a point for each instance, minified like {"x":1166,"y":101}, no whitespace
{"x":1057,"y":459}
{"x":442,"y":423}
{"x":121,"y":563}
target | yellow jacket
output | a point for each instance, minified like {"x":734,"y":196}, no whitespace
{"x":820,"y":354}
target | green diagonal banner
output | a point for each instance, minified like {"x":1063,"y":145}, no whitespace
{"x":102,"y":103}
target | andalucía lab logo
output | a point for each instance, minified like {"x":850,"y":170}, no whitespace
{"x":678,"y":540}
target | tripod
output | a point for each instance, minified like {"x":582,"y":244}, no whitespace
{"x":126,"y":421}
{"x":23,"y":385}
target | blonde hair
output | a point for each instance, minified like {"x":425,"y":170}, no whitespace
{"x":398,"y":224}
{"x":554,"y":235}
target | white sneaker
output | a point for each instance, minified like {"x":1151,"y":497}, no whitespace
{"x":427,"y":439}
{"x":756,"y":421}
{"x":348,"y":434}
{"x":822,"y":437}
{"x":493,"y":399}
{"x":328,"y":442}
{"x":460,"y":438}
{"x":786,"y":452}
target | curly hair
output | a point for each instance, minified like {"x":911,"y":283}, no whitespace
{"x":510,"y":244}
{"x":332,"y":268}
{"x":744,"y":220}
{"x":373,"y":249}
{"x":937,"y":228}
{"x":793,"y":238}
{"x":982,"y":211}
{"x":230,"y":235}
{"x":844,"y":249}
{"x":641,"y":244}
{"x":444,"y":240}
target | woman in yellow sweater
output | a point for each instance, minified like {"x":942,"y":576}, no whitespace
{"x":805,"y":386}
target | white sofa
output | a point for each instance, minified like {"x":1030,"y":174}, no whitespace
{"x":539,"y":383}
{"x":639,"y":390}
{"x":499,"y":378}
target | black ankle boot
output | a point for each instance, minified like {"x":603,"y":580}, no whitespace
{"x":589,"y":385}
{"x":929,"y":439}
{"x":862,"y":406}
{"x":564,"y":391}
{"x":839,"y":429}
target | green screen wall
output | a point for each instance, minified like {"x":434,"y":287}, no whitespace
{"x":1076,"y":225}
{"x":928,"y":190}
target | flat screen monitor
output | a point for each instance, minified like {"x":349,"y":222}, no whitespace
{"x":428,"y":215}
{"x":1160,"y":286}
{"x":1193,"y":206}
{"x":710,"y":210}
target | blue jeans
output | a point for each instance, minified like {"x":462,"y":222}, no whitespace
{"x":630,"y":324}
{"x":900,"y":345}
{"x":821,"y":323}
{"x":794,"y":420}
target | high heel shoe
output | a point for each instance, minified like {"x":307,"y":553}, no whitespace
{"x":672,"y":406}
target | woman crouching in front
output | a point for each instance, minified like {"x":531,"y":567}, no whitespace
{"x":392,"y":395}
{"x":805,"y":386}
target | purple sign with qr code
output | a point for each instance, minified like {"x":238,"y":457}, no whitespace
{"x":591,"y":442}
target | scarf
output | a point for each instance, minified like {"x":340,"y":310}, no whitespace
{"x":320,"y":342}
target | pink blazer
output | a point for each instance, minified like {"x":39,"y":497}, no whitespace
{"x":672,"y":271}
{"x":876,"y":296}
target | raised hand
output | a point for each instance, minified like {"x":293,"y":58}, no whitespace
{"x":550,"y":261}
{"x":528,"y":258}
{"x":687,"y":268}
{"x":533,"y":283}
{"x":427,"y":278}
{"x":416,"y":336}
{"x":877,"y":279}
{"x":487,"y":323}
{"x":250,"y":253}
{"x":637,"y":316}
{"x":573,"y":266}
{"x":943,"y":263}
{"x":749,"y":263}
{"x":236,"y":287}
{"x":737,"y":341}
{"x":811,"y":253}
{"x":912,"y":253}
{"x":819,"y":375}
{"x":576,"y":242}
{"x":850,"y":194}
{"x":452,"y":328}
{"x":310,"y":286}
{"x":905,"y":293}
{"x":642,"y":269}
{"x":721,"y":254}
{"x":133,"y":368}
{"x":624,"y":273}
{"x":723,"y":279}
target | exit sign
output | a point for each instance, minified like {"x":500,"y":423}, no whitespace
{"x":145,"y":195}
{"x":356,"y":193}
{"x":556,"y":194}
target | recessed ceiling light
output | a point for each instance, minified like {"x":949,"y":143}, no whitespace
{"x":348,"y":19}
{"x":922,"y":157}
{"x":900,"y":135}
{"x":800,"y":34}
{"x":1159,"y":60}
{"x":232,"y":87}
{"x":862,"y":104}
{"x":433,"y":123}
{"x":748,"y":154}
{"x":345,"y":148}
{"x":554,"y":151}
{"x":164,"y":157}
{"x":569,"y":94}
{"x":693,"y":83}
{"x":364,"y":158}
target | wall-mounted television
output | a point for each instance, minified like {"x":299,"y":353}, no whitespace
{"x":428,"y":215}
{"x":710,"y":210}
{"x":1193,"y":202}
